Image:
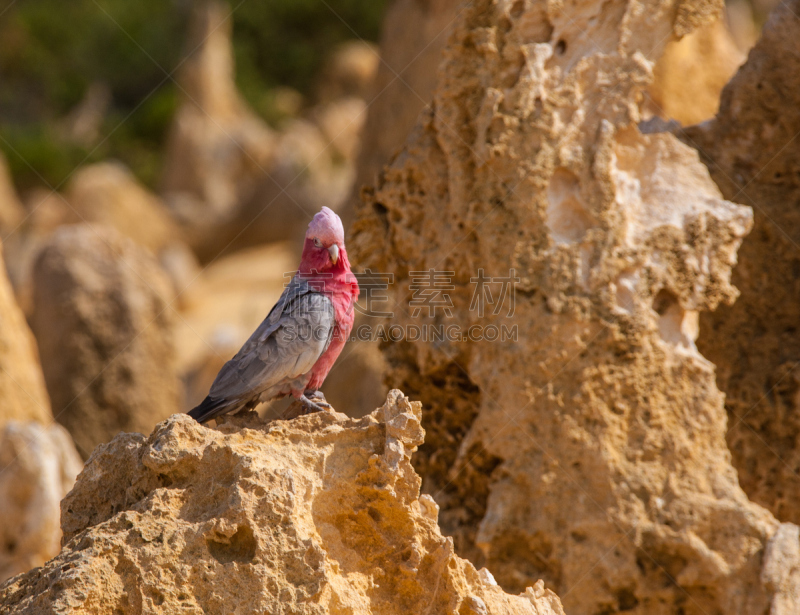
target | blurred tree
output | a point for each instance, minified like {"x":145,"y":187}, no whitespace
{"x":53,"y":51}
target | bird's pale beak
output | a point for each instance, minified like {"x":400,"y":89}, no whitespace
{"x":334,"y":252}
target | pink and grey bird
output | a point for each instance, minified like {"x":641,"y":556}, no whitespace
{"x":295,"y":347}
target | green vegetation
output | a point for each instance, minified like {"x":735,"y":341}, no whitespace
{"x":52,"y":51}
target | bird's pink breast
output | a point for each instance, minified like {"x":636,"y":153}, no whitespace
{"x":342,"y":289}
{"x":344,"y":316}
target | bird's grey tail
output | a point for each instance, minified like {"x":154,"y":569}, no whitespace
{"x":209,"y":408}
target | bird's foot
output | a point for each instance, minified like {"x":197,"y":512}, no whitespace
{"x":318,"y":397}
{"x":311,"y":406}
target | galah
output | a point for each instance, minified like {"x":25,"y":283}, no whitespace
{"x":294,"y":348}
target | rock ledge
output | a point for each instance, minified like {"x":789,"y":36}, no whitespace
{"x":320,"y":514}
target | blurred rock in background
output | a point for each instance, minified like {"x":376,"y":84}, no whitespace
{"x":230,"y":180}
{"x":349,"y":71}
{"x":217,"y":147}
{"x":83,"y":124}
{"x":413,"y":36}
{"x":103,"y":193}
{"x":105,"y":330}
{"x":108,"y":193}
{"x":38,"y":461}
{"x":11,"y":211}
{"x":23,"y":396}
{"x":38,"y":466}
{"x":691,"y":74}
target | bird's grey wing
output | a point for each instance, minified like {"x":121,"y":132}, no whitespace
{"x":285,"y":346}
{"x":293,"y":291}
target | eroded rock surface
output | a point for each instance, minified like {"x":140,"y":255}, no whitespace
{"x":104,"y":328}
{"x":321,"y":514}
{"x":38,"y":466}
{"x":592,"y":451}
{"x":752,"y":153}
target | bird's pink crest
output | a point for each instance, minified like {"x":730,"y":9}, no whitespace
{"x":327,"y":227}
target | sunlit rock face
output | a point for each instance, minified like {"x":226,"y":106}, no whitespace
{"x":590,"y":452}
{"x":319,"y":515}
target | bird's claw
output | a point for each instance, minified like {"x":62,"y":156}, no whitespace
{"x":318,"y":397}
{"x":314,"y":406}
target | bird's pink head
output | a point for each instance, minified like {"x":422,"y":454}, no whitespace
{"x":323,"y":250}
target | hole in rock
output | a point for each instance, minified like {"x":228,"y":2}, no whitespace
{"x":567,"y":217}
{"x":663,"y":301}
{"x":626,"y":599}
{"x":383,"y":214}
{"x":561,"y":47}
{"x":675,"y":325}
{"x":241,"y":548}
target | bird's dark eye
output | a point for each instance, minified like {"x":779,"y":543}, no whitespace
{"x":317,"y":242}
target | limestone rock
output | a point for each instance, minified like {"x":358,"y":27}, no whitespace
{"x":230,"y":180}
{"x":320,"y":515}
{"x":350,"y":71}
{"x":108,"y":193}
{"x":11,"y":211}
{"x":590,"y":451}
{"x":751,"y":153}
{"x":217,"y":148}
{"x":412,"y":38}
{"x":690,"y":75}
{"x":310,"y":169}
{"x":22,"y":387}
{"x":340,"y":122}
{"x":103,"y":324}
{"x":46,"y":211}
{"x":38,"y":466}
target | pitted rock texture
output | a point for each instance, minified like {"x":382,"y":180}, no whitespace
{"x":751,"y":152}
{"x":320,"y":514}
{"x":38,"y":466}
{"x":104,"y":328}
{"x":591,"y":451}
